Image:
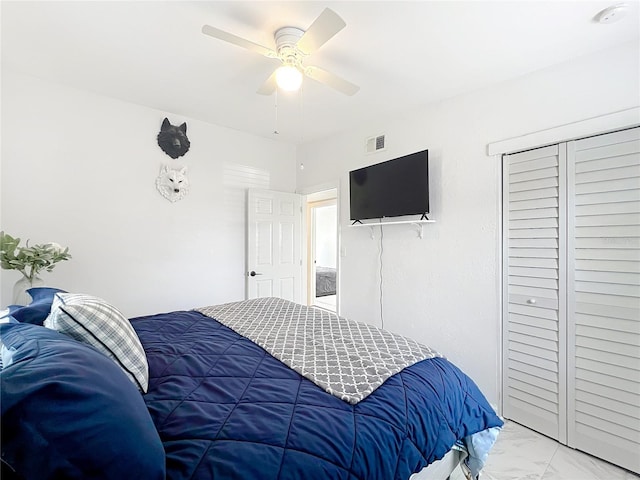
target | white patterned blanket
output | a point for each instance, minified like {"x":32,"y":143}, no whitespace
{"x":346,"y":358}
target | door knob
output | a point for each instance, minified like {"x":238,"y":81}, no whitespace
{"x":531,"y":301}
{"x":253,"y":274}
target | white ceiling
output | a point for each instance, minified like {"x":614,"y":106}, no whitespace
{"x":403,"y":54}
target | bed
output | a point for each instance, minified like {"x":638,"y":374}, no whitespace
{"x":214,"y":404}
{"x":325,"y":281}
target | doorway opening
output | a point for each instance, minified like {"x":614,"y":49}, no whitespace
{"x":322,"y":248}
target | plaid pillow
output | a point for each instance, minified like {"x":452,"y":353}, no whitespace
{"x":91,"y":320}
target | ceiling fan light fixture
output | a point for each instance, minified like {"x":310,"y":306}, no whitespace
{"x":288,"y":78}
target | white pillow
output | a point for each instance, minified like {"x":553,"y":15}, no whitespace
{"x":91,"y":320}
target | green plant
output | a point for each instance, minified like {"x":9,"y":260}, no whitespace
{"x":30,"y":260}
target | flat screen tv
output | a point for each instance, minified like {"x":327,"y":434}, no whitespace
{"x":393,"y":188}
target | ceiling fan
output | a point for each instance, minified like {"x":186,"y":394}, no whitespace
{"x":293,"y":45}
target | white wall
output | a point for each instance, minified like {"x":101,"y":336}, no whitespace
{"x":79,"y":169}
{"x":444,"y":290}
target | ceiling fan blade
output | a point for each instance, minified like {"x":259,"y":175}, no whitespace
{"x":269,"y":86}
{"x":332,"y":80}
{"x":321,"y":30}
{"x":241,"y":42}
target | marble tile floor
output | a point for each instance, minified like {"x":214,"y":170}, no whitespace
{"x":522,"y":454}
{"x":328,"y":302}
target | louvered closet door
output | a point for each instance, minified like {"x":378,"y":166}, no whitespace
{"x":604,"y":297}
{"x":534,"y":329}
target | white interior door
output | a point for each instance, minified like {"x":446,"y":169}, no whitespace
{"x":571,"y":319}
{"x":604,"y":297}
{"x":274,"y":265}
{"x":534,"y":327}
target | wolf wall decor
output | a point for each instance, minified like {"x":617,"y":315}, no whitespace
{"x":173,"y":183}
{"x":173,"y":140}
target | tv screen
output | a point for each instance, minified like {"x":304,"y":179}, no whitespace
{"x":391,"y":189}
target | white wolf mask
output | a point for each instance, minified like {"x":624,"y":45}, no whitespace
{"x":173,"y":184}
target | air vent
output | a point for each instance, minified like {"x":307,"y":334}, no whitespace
{"x":374,"y":144}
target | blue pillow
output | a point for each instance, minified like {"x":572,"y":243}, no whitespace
{"x":38,"y":310}
{"x":43,"y":294}
{"x":68,"y":411}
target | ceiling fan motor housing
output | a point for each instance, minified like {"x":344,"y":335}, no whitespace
{"x":286,"y":45}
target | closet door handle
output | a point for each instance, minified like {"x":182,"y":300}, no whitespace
{"x":531,"y":301}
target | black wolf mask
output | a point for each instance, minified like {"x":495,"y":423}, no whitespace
{"x":173,"y":139}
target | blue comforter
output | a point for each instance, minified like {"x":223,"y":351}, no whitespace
{"x":226,"y":409}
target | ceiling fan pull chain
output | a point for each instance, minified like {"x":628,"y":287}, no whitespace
{"x":301,"y":114}
{"x":275,"y":131}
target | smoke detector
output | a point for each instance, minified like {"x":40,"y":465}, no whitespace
{"x":612,"y":14}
